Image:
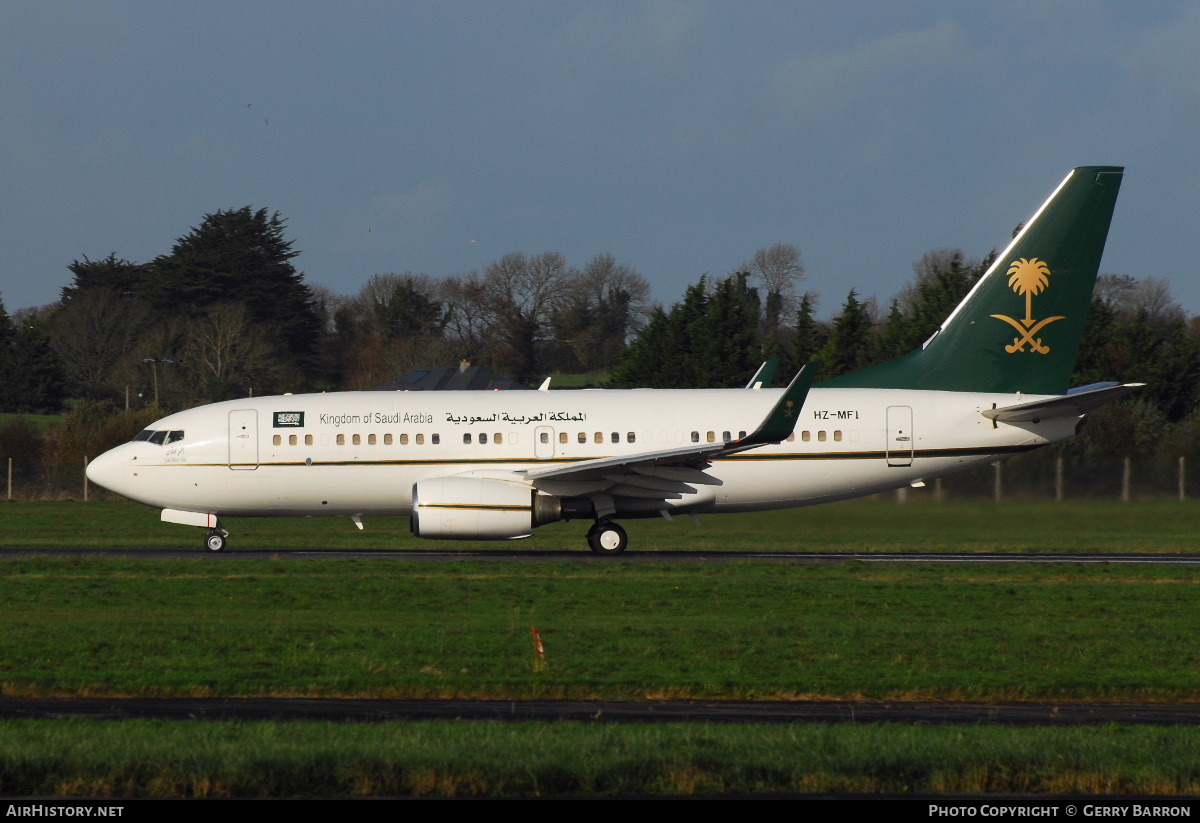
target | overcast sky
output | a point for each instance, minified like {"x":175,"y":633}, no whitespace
{"x":435,"y":137}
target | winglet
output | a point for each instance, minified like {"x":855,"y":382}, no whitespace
{"x":782,"y":419}
{"x":764,"y":375}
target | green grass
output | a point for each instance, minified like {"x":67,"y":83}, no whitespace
{"x":42,"y":421}
{"x":482,"y":759}
{"x":254,"y":625}
{"x":877,"y":524}
{"x":258,"y":625}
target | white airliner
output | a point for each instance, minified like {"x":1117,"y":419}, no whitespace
{"x":991,"y":382}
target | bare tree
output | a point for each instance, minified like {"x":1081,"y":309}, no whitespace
{"x":506,"y":310}
{"x":779,"y":269}
{"x":601,"y":307}
{"x":225,"y":354}
{"x":1127,"y":297}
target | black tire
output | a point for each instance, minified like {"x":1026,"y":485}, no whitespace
{"x":214,"y":542}
{"x":607,"y":539}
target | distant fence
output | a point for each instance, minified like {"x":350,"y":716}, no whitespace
{"x":1027,"y":477}
{"x":1119,"y":479}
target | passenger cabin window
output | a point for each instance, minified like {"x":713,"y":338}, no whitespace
{"x":434,"y":439}
{"x":404,"y":440}
{"x":583,"y":437}
{"x":695,"y":437}
{"x":277,"y":440}
{"x":630,"y":438}
{"x":420,"y":440}
{"x":806,"y":436}
{"x":467,"y":439}
{"x":562,"y":437}
{"x":358,"y":439}
{"x":498,"y":438}
{"x":370,"y":440}
{"x":483,"y":438}
{"x":292,"y":439}
{"x":616,"y":437}
{"x":544,"y":437}
{"x":341,"y":439}
{"x":821,"y":436}
{"x":387,"y":440}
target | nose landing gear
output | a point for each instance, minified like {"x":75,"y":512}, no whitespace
{"x":214,"y":541}
{"x":607,"y":538}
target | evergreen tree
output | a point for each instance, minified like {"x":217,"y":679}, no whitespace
{"x":850,"y":345}
{"x":241,"y":256}
{"x":112,"y":274}
{"x":808,"y":339}
{"x":707,"y":340}
{"x":35,"y":382}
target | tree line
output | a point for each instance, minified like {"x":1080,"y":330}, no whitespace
{"x":225,"y":313}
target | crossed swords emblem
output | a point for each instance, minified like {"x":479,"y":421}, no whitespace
{"x":1028,"y":277}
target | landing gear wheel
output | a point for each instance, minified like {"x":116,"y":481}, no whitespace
{"x":215,"y":541}
{"x":607,"y":538}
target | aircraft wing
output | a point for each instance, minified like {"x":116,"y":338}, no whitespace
{"x":1072,"y":404}
{"x":669,"y":473}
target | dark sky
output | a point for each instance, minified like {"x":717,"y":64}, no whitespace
{"x":680,"y":137}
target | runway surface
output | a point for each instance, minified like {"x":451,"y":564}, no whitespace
{"x":633,"y":556}
{"x":599,"y":711}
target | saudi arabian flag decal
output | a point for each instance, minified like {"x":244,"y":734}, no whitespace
{"x":289,"y":420}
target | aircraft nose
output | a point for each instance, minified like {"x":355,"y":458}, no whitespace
{"x":105,"y":470}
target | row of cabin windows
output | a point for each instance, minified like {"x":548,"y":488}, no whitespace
{"x":498,"y":438}
{"x":357,"y":439}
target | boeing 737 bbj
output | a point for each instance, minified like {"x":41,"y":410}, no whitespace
{"x":990,"y":383}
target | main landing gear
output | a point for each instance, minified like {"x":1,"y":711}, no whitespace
{"x":607,"y":537}
{"x":214,"y":541}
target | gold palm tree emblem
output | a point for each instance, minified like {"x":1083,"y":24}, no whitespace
{"x":1028,"y":277}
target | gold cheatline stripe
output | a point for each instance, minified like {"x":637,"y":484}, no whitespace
{"x":865,"y":455}
{"x":474,"y":506}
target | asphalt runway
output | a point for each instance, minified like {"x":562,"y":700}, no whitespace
{"x":632,"y":556}
{"x":601,"y":711}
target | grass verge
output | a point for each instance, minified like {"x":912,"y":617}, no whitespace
{"x":254,"y":625}
{"x":484,"y":759}
{"x":878,"y":524}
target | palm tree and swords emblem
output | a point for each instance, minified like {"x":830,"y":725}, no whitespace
{"x":1028,"y":277}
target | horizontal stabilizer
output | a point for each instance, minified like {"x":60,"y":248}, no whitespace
{"x":1073,"y":404}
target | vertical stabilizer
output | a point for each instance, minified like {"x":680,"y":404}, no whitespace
{"x":1020,"y":327}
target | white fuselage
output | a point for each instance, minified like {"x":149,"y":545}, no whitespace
{"x":359,"y":453}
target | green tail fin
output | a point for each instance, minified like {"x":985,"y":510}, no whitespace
{"x":1020,"y":326}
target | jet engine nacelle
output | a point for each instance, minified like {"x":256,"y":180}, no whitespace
{"x":484,"y":508}
{"x":471,"y":508}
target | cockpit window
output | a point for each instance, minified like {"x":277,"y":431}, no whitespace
{"x":160,"y":438}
